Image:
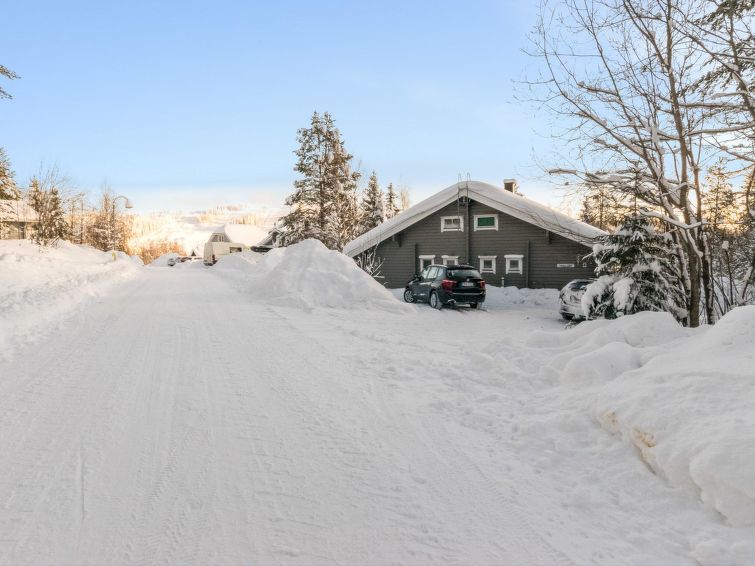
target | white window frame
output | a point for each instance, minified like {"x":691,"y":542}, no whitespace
{"x":478,"y":228}
{"x":443,"y":224}
{"x":514,"y":257}
{"x":447,"y":258}
{"x":430,"y":258}
{"x":483,"y":259}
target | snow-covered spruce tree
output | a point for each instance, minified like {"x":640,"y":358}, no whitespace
{"x":391,"y":202}
{"x":51,"y":222}
{"x":635,"y":272}
{"x":109,"y":228}
{"x":324,"y":202}
{"x":8,"y":188}
{"x":372,"y":208}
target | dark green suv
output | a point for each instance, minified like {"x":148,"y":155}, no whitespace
{"x":441,"y":285}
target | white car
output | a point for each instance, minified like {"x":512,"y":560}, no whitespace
{"x":570,"y":299}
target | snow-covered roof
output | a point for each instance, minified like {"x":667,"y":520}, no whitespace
{"x":484,"y":193}
{"x":16,"y":211}
{"x":246,"y":234}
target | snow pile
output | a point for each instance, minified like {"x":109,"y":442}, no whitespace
{"x":501,"y":297}
{"x":39,"y":286}
{"x":162,"y":261}
{"x":237,"y":261}
{"x":308,"y":275}
{"x":689,"y":411}
{"x":683,"y":398}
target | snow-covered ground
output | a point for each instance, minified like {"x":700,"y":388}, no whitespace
{"x":40,"y":286}
{"x":260,"y":411}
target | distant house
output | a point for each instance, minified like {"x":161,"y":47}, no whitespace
{"x":272,"y":240}
{"x":231,"y":238}
{"x":17,"y":220}
{"x":509,"y":238}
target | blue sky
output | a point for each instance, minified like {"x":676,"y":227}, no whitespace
{"x":187,"y":104}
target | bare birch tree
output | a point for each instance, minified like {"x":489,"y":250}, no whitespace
{"x":620,"y":75}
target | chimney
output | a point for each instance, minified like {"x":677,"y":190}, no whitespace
{"x":510,"y":185}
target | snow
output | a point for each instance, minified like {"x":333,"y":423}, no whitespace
{"x":286,"y":408}
{"x":495,"y":197}
{"x":307,"y":275}
{"x":40,"y":286}
{"x":244,"y":233}
{"x":162,"y":261}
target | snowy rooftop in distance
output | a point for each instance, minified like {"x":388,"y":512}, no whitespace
{"x":490,"y":195}
{"x":246,"y":234}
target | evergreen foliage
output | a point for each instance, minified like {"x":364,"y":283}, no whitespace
{"x":391,"y":202}
{"x":8,"y":188}
{"x":721,"y":208}
{"x":602,"y":209}
{"x":635,"y":273}
{"x":373,"y":208}
{"x":324,"y":202}
{"x":109,"y":228}
{"x":51,"y":222}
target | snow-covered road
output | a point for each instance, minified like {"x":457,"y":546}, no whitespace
{"x":183,"y":421}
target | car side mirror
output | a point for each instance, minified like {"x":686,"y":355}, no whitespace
{"x":416,"y":278}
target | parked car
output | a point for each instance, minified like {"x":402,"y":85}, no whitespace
{"x":441,"y":285}
{"x":570,"y":299}
{"x":171,"y":261}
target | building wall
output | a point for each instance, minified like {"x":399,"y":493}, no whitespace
{"x":12,"y":230}
{"x":542,"y":251}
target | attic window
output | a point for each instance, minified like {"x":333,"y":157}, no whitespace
{"x":219,"y":238}
{"x":514,"y":263}
{"x":451,"y":224}
{"x":485,"y":222}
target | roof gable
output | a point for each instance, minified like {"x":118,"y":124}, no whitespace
{"x":494,"y":197}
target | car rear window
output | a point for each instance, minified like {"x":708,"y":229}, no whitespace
{"x":464,"y":273}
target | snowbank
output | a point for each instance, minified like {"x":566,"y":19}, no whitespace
{"x":501,"y":297}
{"x":162,"y":261}
{"x":684,"y":398}
{"x":308,"y":275}
{"x":39,"y":286}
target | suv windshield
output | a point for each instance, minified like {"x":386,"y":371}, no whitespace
{"x":464,"y":273}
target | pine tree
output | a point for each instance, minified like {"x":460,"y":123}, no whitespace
{"x":51,"y":222}
{"x":635,"y":272}
{"x":324,"y":202}
{"x":373,"y":208}
{"x":391,"y":202}
{"x":8,"y":188}
{"x":602,"y":209}
{"x":721,"y":209}
{"x":109,"y":228}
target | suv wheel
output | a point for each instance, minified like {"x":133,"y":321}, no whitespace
{"x":435,"y":301}
{"x":408,"y":296}
{"x":474,"y":305}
